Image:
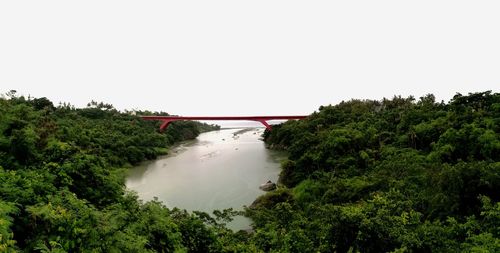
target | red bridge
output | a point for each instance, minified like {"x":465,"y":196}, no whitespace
{"x":262,"y":119}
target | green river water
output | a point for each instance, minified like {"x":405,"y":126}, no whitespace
{"x":217,"y":170}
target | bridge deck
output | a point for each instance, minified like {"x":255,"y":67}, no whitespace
{"x":262,"y":119}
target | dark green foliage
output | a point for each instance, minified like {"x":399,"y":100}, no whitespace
{"x":62,"y":181}
{"x":196,"y":237}
{"x":387,"y":176}
{"x":397,"y":175}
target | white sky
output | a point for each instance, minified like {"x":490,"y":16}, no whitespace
{"x":246,"y":57}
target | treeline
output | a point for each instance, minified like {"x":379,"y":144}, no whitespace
{"x":397,"y":175}
{"x":62,"y":182}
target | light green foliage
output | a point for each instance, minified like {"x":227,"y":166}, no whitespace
{"x":7,"y":244}
{"x":308,"y":190}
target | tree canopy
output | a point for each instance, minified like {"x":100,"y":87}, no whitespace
{"x":62,"y":181}
{"x":396,"y":175}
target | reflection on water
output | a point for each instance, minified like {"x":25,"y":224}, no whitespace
{"x":220,"y":169}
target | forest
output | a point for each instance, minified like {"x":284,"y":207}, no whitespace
{"x":395,"y":175}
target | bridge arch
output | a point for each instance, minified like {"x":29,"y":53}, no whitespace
{"x":262,"y":119}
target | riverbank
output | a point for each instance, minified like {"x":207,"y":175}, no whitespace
{"x":218,"y":170}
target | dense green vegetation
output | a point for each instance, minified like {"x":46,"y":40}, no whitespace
{"x":387,"y":176}
{"x":62,"y":182}
{"x":398,"y":175}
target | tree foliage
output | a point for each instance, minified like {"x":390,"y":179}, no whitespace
{"x":62,"y":181}
{"x":396,"y":175}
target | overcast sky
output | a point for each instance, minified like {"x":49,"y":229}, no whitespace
{"x":246,"y":57}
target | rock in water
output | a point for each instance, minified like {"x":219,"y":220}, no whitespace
{"x":268,"y":186}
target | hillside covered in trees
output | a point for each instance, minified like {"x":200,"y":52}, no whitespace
{"x":397,"y":175}
{"x":400,"y":175}
{"x":62,"y":181}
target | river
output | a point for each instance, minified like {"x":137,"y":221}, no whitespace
{"x":217,"y":170}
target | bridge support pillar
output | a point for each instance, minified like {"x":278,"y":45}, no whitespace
{"x":268,"y":127}
{"x":165,"y":124}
